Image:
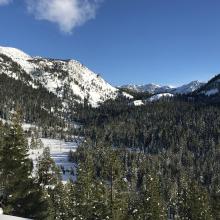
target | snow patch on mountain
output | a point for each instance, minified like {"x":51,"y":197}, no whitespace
{"x":160,"y":96}
{"x":138,"y":102}
{"x":211,"y":92}
{"x":128,"y":96}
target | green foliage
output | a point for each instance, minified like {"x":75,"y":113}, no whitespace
{"x":199,"y":204}
{"x":176,"y":139}
{"x":21,"y":196}
{"x":48,"y":174}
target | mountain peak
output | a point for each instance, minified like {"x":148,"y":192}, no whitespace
{"x":14,"y":53}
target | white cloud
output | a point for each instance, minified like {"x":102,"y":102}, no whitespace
{"x":5,"y":2}
{"x":68,"y":14}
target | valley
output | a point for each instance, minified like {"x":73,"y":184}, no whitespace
{"x":76,"y":143}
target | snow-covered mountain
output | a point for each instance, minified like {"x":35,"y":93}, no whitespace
{"x":158,"y":89}
{"x":188,"y":88}
{"x":68,"y":79}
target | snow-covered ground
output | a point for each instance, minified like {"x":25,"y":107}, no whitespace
{"x":59,"y":150}
{"x":9,"y":217}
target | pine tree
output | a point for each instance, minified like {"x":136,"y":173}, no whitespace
{"x":194,"y":202}
{"x":36,"y":142}
{"x":48,"y":173}
{"x":216,"y":204}
{"x":183,"y":206}
{"x":21,"y":196}
{"x":59,"y":200}
{"x":199,"y":203}
{"x":71,"y":200}
{"x":16,"y":167}
{"x":152,"y":207}
{"x":90,"y":193}
{"x":1,"y":154}
{"x":84,"y":187}
{"x":118,"y":187}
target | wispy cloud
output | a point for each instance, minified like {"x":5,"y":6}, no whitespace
{"x":5,"y":2}
{"x":68,"y":14}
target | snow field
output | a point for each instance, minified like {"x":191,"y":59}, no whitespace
{"x":59,"y":151}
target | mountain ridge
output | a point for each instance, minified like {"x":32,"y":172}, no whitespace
{"x":157,"y":89}
{"x":68,"y":79}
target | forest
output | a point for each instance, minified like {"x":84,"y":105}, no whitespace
{"x":157,"y":161}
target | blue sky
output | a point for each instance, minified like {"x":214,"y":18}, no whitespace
{"x":126,"y":41}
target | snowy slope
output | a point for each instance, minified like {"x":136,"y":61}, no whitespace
{"x":188,"y":88}
{"x":160,"y":96}
{"x":68,"y":79}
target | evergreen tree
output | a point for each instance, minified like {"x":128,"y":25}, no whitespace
{"x":21,"y":196}
{"x":71,"y":200}
{"x":48,"y":173}
{"x":199,"y":203}
{"x":152,"y":206}
{"x":216,"y":204}
{"x":1,"y":157}
{"x":118,"y":197}
{"x":90,"y":193}
{"x":36,"y":142}
{"x":59,"y":200}
{"x":193,"y":201}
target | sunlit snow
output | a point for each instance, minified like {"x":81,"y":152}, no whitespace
{"x":59,"y":150}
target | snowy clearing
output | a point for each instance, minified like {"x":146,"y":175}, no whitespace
{"x":59,"y":150}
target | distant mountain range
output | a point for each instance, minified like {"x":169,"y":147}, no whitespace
{"x":209,"y":91}
{"x":157,"y":89}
